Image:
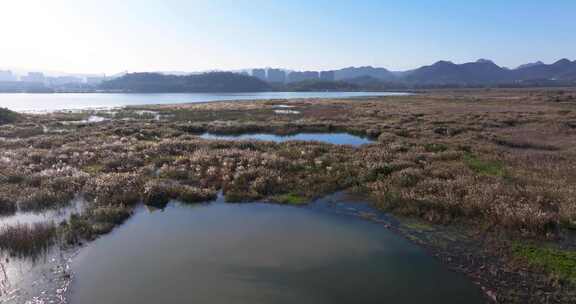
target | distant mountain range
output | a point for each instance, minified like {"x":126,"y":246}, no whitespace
{"x":480,"y":72}
{"x":366,"y":71}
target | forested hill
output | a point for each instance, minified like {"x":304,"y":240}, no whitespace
{"x":207,"y":82}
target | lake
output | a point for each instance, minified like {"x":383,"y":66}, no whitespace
{"x":259,"y":253}
{"x":73,"y":101}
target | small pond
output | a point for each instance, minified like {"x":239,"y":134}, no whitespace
{"x":331,"y":138}
{"x":259,"y":253}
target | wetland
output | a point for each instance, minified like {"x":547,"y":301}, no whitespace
{"x":476,"y":187}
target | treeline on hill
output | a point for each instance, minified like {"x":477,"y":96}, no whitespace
{"x":445,"y":74}
{"x":207,"y":82}
{"x":442,"y":74}
{"x":215,"y":82}
{"x":320,"y":85}
{"x":233,"y":82}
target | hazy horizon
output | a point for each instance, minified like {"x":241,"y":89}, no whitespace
{"x":94,"y":37}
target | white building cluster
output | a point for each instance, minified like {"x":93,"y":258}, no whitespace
{"x":282,"y":76}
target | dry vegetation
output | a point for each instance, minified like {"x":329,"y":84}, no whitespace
{"x":501,"y":162}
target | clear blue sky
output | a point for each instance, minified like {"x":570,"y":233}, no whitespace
{"x":142,"y":35}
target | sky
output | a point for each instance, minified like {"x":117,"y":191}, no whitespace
{"x":111,"y":36}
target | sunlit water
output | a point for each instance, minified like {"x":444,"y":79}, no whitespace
{"x":331,"y":138}
{"x":42,"y":278}
{"x":56,"y":215}
{"x":259,"y":253}
{"x":71,"y":101}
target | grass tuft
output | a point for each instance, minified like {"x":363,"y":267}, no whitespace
{"x":484,"y":167}
{"x":291,"y":199}
{"x":93,"y":169}
{"x":435,"y":147}
{"x":559,"y":263}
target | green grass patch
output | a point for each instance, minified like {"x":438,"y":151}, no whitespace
{"x":559,"y":263}
{"x":93,"y":169}
{"x":435,"y":147}
{"x":379,"y":172}
{"x":291,"y":199}
{"x":419,"y":226}
{"x":484,"y":167}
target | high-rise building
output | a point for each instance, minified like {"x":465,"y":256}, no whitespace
{"x":303,"y":76}
{"x":276,"y":75}
{"x":63,"y":80}
{"x":34,"y":77}
{"x":7,"y":76}
{"x":328,"y":75}
{"x":259,"y":73}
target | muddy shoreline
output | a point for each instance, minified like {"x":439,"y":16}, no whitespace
{"x":482,"y":258}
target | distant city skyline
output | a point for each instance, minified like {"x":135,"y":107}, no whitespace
{"x":268,"y":74}
{"x":279,"y":74}
{"x":109,"y":36}
{"x":481,"y":72}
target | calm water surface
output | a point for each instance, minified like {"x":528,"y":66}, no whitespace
{"x":331,"y":138}
{"x":70,"y":101}
{"x":259,"y":253}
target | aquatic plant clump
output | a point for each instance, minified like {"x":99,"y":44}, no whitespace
{"x":109,"y":214}
{"x":44,"y":199}
{"x":27,"y":240}
{"x":114,"y":189}
{"x":189,"y":194}
{"x":158,"y":193}
{"x":7,"y":207}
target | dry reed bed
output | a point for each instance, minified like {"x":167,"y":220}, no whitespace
{"x":442,"y":159}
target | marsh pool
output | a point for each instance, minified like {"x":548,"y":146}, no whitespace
{"x":259,"y":253}
{"x":330,"y":138}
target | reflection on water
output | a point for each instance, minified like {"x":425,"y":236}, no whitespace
{"x":56,"y":215}
{"x":259,"y":253}
{"x":40,"y":278}
{"x":331,"y":138}
{"x":43,"y":280}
